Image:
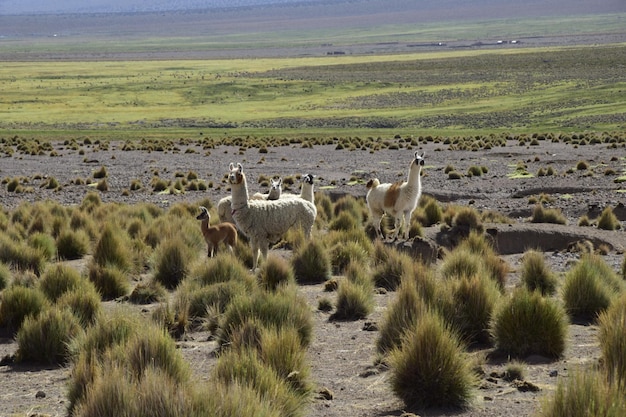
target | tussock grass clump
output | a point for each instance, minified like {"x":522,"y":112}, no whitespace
{"x":400,"y":316}
{"x":45,"y":243}
{"x":589,"y":287}
{"x":280,"y":309}
{"x":528,"y":324}
{"x":113,"y":248}
{"x":608,"y":220}
{"x":468,"y":303}
{"x":84,"y":303}
{"x":536,"y":275}
{"x":147,"y":293}
{"x":345,"y":221}
{"x":342,"y":254}
{"x":612,"y":323}
{"x":171,"y":262}
{"x":354,"y":301}
{"x":100,"y":173}
{"x":59,"y":279}
{"x":245,"y":368}
{"x":431,"y":368}
{"x":110,"y":281}
{"x":72,"y":244}
{"x":547,"y":215}
{"x":584,"y":393}
{"x":18,"y":303}
{"x":392,"y":266}
{"x":311,"y":263}
{"x":45,"y":338}
{"x":21,"y":256}
{"x":5,"y":276}
{"x":224,"y":267}
{"x":274,"y":272}
{"x":433,"y":213}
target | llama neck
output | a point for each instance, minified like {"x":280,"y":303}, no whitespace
{"x":239,"y":195}
{"x":204,"y":226}
{"x":307,"y":192}
{"x":415,"y":179}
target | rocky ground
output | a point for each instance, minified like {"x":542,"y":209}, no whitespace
{"x":342,"y":353}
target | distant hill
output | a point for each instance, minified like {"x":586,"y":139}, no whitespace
{"x":435,"y":9}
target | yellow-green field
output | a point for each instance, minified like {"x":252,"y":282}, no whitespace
{"x":451,"y":92}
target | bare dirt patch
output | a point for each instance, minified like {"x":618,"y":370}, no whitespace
{"x":342,"y":353}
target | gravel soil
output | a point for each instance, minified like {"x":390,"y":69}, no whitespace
{"x":342,"y":353}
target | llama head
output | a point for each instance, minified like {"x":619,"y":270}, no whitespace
{"x":373,"y":183}
{"x":308,"y":178}
{"x":235,"y":175}
{"x":276,"y":184}
{"x":419,"y":159}
{"x":204,"y":214}
{"x":275,"y":189}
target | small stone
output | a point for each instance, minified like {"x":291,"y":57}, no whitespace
{"x":325,"y":394}
{"x":554,"y":374}
{"x":40,"y":394}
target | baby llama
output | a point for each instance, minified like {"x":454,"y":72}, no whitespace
{"x":398,"y":199}
{"x":266,"y":221}
{"x":214,"y":235}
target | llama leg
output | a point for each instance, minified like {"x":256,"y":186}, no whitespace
{"x":255,"y":254}
{"x":397,"y":224}
{"x":376,"y":220}
{"x":407,"y":224}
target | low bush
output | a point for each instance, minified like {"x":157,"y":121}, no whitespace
{"x":528,"y":324}
{"x":110,"y":281}
{"x":18,"y":303}
{"x":113,"y":249}
{"x":547,"y":215}
{"x":84,"y":302}
{"x":44,"y":339}
{"x":608,"y":220}
{"x":72,"y":244}
{"x":354,"y":301}
{"x":59,"y":279}
{"x":147,"y":293}
{"x":612,"y":323}
{"x":389,"y":271}
{"x":275,"y":271}
{"x":536,"y":275}
{"x":431,"y":369}
{"x":172,"y":262}
{"x":311,"y":263}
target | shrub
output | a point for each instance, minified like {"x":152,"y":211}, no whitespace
{"x":354,"y":302}
{"x":247,"y":369}
{"x":100,"y":173}
{"x":467,"y":219}
{"x":401,"y":315}
{"x":431,"y":368}
{"x":21,"y":256}
{"x":527,"y":324}
{"x":147,"y":293}
{"x":18,"y":303}
{"x":608,"y":220}
{"x":45,"y":338}
{"x":589,"y":288}
{"x":432,"y":212}
{"x":172,"y":259}
{"x":345,"y":221}
{"x":612,"y":323}
{"x":274,"y":272}
{"x":110,"y":281}
{"x":282,"y":351}
{"x":389,"y":272}
{"x":84,"y":303}
{"x":72,"y":244}
{"x":582,"y":394}
{"x":59,"y":279}
{"x":112,"y":248}
{"x":342,"y":254}
{"x":471,"y":302}
{"x":5,"y":276}
{"x":547,"y":215}
{"x":223,"y":267}
{"x":311,"y":263}
{"x":278,"y":309}
{"x":45,"y":243}
{"x":536,"y":275}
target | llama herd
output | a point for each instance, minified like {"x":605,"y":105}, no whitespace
{"x":265,"y":218}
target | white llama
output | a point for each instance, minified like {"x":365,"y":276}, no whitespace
{"x":224,"y":207}
{"x":398,"y":200}
{"x":266,"y":221}
{"x":307,"y":189}
{"x":276,"y":189}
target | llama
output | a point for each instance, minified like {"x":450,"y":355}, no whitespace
{"x":266,"y":221}
{"x":276,"y":188}
{"x":398,"y":200}
{"x":224,"y":206}
{"x":306,"y":192}
{"x":214,"y":235}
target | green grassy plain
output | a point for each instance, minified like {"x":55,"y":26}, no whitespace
{"x":449,"y":92}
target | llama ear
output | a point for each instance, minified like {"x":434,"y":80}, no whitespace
{"x":231,"y":166}
{"x":239,"y":167}
{"x":280,"y":181}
